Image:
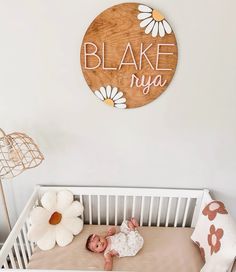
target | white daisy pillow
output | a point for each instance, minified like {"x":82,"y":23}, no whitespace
{"x":56,"y":221}
{"x":215,"y":234}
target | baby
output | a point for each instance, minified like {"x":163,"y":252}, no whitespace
{"x":127,"y":242}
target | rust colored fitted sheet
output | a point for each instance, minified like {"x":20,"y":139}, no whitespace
{"x":165,"y":249}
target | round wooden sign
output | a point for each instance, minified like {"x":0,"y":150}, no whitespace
{"x":129,"y":55}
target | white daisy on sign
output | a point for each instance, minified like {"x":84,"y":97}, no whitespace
{"x":153,"y":21}
{"x":111,"y":96}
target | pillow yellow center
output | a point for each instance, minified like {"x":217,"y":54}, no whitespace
{"x":55,"y":218}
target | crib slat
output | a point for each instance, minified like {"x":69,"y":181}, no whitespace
{"x":90,"y":211}
{"x":99,"y":210}
{"x":141,"y":214}
{"x":6,"y":265}
{"x":18,"y":255}
{"x":81,"y":201}
{"x":26,"y":242}
{"x":186,"y":212}
{"x":22,"y":247}
{"x":168,"y":211}
{"x":159,"y":212}
{"x":13,"y":263}
{"x":116,"y":209}
{"x":198,"y":202}
{"x":107,"y":210}
{"x":31,"y":244}
{"x":133,"y":206}
{"x":150,"y":212}
{"x":177,"y":212}
{"x":125,"y":204}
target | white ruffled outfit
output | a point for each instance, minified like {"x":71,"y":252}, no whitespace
{"x":126,"y":243}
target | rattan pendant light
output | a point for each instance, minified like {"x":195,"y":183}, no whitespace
{"x":18,"y":152}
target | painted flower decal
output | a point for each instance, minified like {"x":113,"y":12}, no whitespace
{"x":202,"y":251}
{"x":56,"y":221}
{"x":154,"y":21}
{"x":214,"y":239}
{"x":213,"y":208}
{"x":111,"y":96}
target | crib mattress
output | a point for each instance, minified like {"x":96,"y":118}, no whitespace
{"x":165,"y":249}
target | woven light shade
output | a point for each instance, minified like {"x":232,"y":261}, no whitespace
{"x":18,"y":152}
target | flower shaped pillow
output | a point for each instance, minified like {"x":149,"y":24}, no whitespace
{"x":56,"y":221}
{"x":215,"y":235}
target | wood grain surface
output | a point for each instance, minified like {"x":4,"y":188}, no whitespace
{"x":116,"y":27}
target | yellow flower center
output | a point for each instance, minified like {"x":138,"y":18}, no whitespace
{"x":213,"y":239}
{"x":55,"y":218}
{"x":157,"y":15}
{"x":109,"y":102}
{"x":214,"y":206}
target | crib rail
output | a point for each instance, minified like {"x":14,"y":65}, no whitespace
{"x":151,"y":206}
{"x":17,"y":250}
{"x":109,"y":206}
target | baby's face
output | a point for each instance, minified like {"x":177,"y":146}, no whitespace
{"x":98,"y":243}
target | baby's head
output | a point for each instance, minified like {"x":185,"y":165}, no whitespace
{"x":96,"y":243}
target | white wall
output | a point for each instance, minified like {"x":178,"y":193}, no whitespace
{"x":186,"y":138}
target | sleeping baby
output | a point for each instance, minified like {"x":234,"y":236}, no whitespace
{"x":127,"y":242}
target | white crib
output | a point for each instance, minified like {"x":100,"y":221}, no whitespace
{"x":109,"y":206}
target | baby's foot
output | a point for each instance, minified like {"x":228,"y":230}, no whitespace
{"x":134,"y":222}
{"x":131,"y":225}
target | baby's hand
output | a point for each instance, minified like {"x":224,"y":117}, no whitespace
{"x":111,"y":231}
